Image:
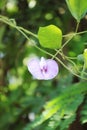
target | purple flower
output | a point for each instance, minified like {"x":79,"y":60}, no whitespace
{"x":43,"y":69}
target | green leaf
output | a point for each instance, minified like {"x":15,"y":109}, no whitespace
{"x":85,"y":57}
{"x":84,"y":113}
{"x":67,"y":102}
{"x":77,"y":8}
{"x":50,"y":37}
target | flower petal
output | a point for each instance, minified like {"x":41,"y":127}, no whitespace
{"x":52,"y":69}
{"x":43,"y":69}
{"x":34,"y":68}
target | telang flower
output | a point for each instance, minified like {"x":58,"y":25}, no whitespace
{"x":43,"y":69}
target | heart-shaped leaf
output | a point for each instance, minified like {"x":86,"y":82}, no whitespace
{"x":77,"y":8}
{"x":50,"y":37}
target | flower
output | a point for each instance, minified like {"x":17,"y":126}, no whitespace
{"x":43,"y":69}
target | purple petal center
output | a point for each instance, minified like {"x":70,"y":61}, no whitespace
{"x":44,"y":69}
{"x":43,"y":65}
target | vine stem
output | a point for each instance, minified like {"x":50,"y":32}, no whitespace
{"x":13,"y":24}
{"x":77,"y":33}
{"x":82,"y":32}
{"x":63,"y":46}
{"x":28,"y":32}
{"x":77,"y":26}
{"x":83,"y":70}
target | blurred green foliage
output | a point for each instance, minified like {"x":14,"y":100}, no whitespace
{"x":24,"y":99}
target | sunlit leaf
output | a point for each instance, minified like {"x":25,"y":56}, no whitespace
{"x":77,"y":8}
{"x":50,"y":37}
{"x":68,"y":102}
{"x":84,"y":113}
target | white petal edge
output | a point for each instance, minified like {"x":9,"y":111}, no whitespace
{"x":53,"y":69}
{"x":34,"y":68}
